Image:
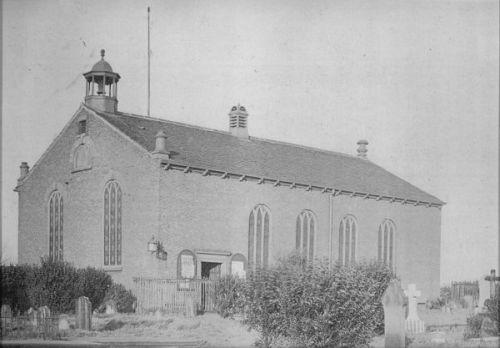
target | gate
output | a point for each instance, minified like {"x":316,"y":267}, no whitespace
{"x":174,"y":296}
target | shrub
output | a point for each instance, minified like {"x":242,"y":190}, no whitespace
{"x":473,"y":328}
{"x":13,"y":281}
{"x":228,"y":296}
{"x":123,"y":298}
{"x":94,"y":284}
{"x":311,"y":304}
{"x":492,"y":307}
{"x":55,"y":284}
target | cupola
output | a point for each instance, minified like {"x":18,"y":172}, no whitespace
{"x":238,"y":121}
{"x":101,"y":86}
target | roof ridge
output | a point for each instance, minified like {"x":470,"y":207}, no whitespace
{"x":119,"y":113}
{"x":279,"y":142}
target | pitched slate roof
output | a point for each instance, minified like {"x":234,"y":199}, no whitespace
{"x":218,"y":150}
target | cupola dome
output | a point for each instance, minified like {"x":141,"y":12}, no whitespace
{"x":101,"y":86}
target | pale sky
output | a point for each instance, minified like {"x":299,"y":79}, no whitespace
{"x":417,"y":79}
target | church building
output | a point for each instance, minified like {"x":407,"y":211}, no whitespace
{"x":142,"y":196}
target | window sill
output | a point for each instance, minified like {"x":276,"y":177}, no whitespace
{"x":113,"y":268}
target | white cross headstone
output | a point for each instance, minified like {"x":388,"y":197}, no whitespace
{"x":413,"y":322}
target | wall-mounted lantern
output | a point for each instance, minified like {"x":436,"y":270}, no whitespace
{"x":155,"y":246}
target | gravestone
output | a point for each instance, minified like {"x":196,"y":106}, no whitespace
{"x":5,"y":317}
{"x":413,"y":322}
{"x":43,"y":316}
{"x":83,"y":317}
{"x":110,"y":307}
{"x":6,"y":312}
{"x":32,"y":315}
{"x":63,"y":323}
{"x":43,"y":312}
{"x":394,"y":315}
{"x":492,"y":278}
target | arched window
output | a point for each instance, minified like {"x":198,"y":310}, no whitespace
{"x":304,"y":234}
{"x":56,"y":226}
{"x":112,"y":224}
{"x":186,"y":265}
{"x":81,"y":157}
{"x":238,"y":265}
{"x":258,"y":237}
{"x":347,"y":240}
{"x":387,"y":242}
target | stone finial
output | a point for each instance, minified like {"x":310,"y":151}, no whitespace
{"x":238,"y":121}
{"x":362,"y":149}
{"x":24,"y":171}
{"x":161,"y":144}
{"x":102,"y":53}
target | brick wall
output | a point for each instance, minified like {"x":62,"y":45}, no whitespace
{"x":191,"y":211}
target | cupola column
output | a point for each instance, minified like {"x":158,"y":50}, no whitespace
{"x":97,"y":95}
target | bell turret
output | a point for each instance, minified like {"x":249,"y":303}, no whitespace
{"x":102,"y":86}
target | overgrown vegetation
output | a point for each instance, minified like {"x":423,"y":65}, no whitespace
{"x":228,"y":296}
{"x":309,"y":304}
{"x":55,"y":284}
{"x":476,"y":323}
{"x":123,"y":298}
{"x":443,"y":299}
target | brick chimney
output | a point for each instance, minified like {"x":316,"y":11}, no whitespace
{"x":362,"y":150}
{"x":24,"y":171}
{"x":238,"y":121}
{"x":161,"y":145}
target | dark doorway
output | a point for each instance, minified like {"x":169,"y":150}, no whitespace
{"x":210,"y":270}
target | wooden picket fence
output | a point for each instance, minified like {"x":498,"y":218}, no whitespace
{"x":174,"y":296}
{"x":464,"y":288}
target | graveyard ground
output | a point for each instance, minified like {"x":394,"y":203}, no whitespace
{"x":210,"y":330}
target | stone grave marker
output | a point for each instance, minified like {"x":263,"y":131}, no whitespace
{"x":83,"y":317}
{"x":394,"y":315}
{"x":6,"y":312}
{"x":110,"y":307}
{"x":43,"y":312}
{"x":32,"y":315}
{"x":5,"y":317}
{"x":63,"y":323}
{"x":413,"y":322}
{"x":492,"y":279}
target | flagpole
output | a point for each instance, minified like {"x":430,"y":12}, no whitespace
{"x":149,"y":65}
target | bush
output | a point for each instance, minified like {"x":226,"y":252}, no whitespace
{"x":123,"y":298}
{"x":13,"y":281}
{"x":473,"y":328}
{"x":55,"y":284}
{"x":492,"y":307}
{"x":315,"y":305}
{"x":94,"y":284}
{"x":228,"y":296}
